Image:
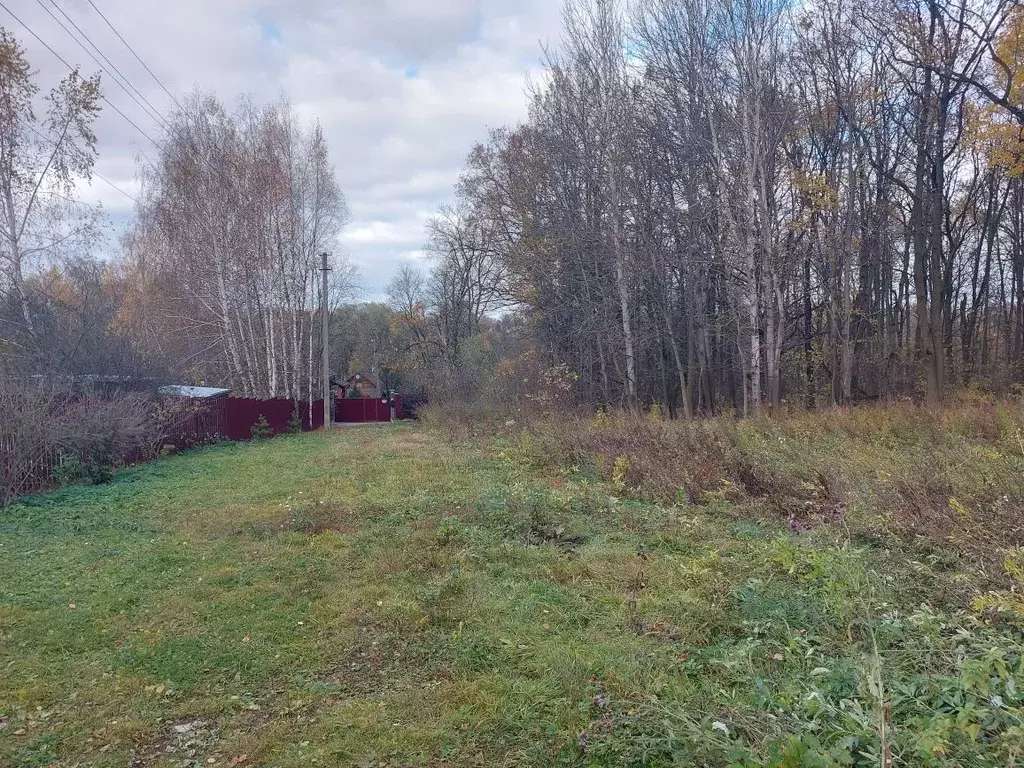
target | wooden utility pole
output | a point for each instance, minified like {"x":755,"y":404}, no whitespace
{"x":325,"y":340}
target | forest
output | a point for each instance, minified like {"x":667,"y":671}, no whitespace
{"x":713,"y":206}
{"x":736,"y":204}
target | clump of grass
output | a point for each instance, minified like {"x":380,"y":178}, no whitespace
{"x":309,"y":517}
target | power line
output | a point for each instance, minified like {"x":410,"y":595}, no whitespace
{"x":152,"y":111}
{"x":94,"y":172}
{"x":137,"y":57}
{"x":170,"y":127}
{"x":75,"y":71}
{"x":112,"y":184}
{"x":99,"y":64}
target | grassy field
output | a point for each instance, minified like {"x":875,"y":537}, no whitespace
{"x":379,"y":596}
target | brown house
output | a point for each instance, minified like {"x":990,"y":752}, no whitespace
{"x":356,"y":386}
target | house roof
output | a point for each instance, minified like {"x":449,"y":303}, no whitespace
{"x":356,"y":378}
{"x":182,"y":390}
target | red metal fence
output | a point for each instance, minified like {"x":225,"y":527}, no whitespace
{"x":238,"y":415}
{"x":232,"y":418}
{"x":364,"y":409}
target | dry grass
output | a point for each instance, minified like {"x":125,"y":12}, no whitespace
{"x":950,"y":478}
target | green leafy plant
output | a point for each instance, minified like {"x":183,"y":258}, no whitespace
{"x":71,"y":470}
{"x":100,"y":472}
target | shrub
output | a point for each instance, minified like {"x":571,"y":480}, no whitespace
{"x":43,"y":427}
{"x":108,"y":432}
{"x":294,"y":425}
{"x":100,"y":473}
{"x":261,"y":430}
{"x":70,"y":470}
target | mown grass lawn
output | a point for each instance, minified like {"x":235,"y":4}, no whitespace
{"x":376,"y":596}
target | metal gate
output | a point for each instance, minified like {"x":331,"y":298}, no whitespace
{"x":362,"y":409}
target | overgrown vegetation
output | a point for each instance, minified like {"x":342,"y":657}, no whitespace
{"x":50,"y":435}
{"x":649,"y":594}
{"x":950,"y":478}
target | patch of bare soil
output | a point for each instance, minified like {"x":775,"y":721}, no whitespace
{"x":569,"y":544}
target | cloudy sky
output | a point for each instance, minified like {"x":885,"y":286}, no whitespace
{"x":403,"y":88}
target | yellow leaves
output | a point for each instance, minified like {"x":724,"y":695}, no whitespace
{"x":998,"y":136}
{"x":960,"y":510}
{"x":1010,"y":51}
{"x":619,"y":472}
{"x":816,"y":195}
{"x":1014,"y":565}
{"x":815,"y":189}
{"x":1001,"y":142}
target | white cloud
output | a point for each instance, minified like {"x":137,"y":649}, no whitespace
{"x":403,"y":232}
{"x":402,"y":88}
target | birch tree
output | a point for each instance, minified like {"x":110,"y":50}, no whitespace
{"x":41,"y":160}
{"x":232,"y":223}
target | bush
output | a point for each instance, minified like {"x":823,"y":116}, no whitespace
{"x":107,"y":432}
{"x":261,"y":430}
{"x":100,"y":473}
{"x":294,"y":425}
{"x":48,"y":435}
{"x":71,"y":470}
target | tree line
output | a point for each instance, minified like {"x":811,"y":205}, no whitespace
{"x":215,"y":280}
{"x":732,"y":204}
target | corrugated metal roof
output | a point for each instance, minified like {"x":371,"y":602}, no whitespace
{"x":182,"y":390}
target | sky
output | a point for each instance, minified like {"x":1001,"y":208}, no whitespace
{"x":402,"y":89}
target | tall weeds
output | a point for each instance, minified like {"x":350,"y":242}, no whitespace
{"x":950,"y":478}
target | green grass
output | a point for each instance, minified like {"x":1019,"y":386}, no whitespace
{"x":378,"y":596}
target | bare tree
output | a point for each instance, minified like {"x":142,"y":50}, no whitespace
{"x":231,"y":226}
{"x":40,"y":162}
{"x":737,"y":203}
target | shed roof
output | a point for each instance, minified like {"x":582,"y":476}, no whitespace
{"x":182,"y":390}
